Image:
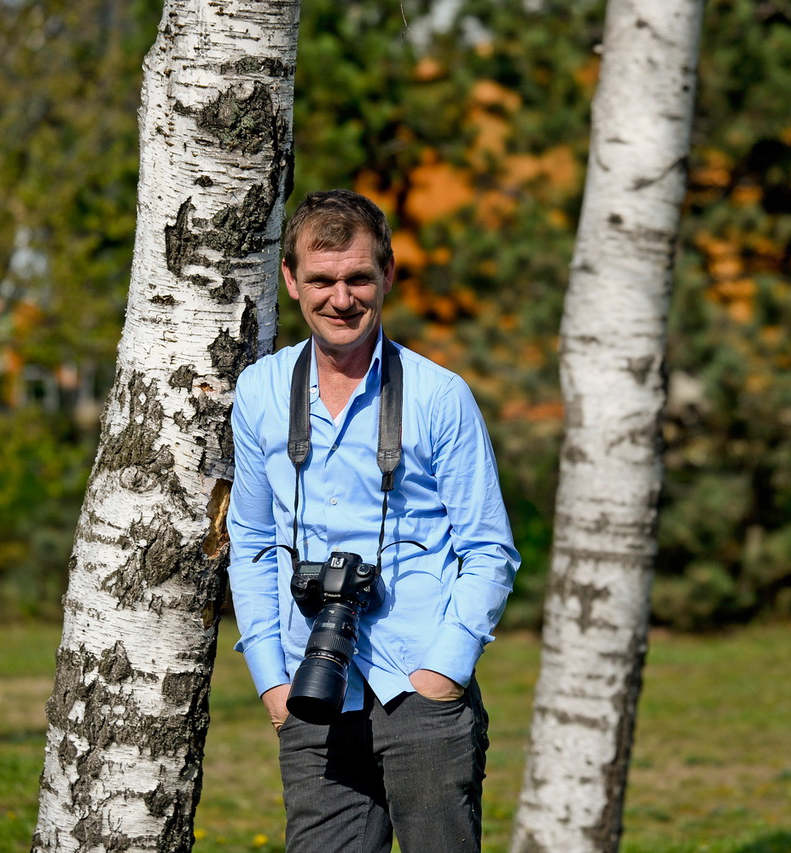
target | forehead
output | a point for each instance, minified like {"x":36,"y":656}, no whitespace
{"x":359,"y":251}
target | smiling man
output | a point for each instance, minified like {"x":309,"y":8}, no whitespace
{"x":408,"y":750}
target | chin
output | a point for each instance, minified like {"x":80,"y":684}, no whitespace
{"x":345,"y":342}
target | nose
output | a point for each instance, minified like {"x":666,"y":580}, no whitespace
{"x":341,"y":296}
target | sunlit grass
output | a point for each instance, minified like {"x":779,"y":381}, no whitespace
{"x":711,"y":770}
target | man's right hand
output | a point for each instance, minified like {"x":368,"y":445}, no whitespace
{"x":274,"y":701}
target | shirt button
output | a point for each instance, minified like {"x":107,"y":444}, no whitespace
{"x":334,"y":447}
{"x":333,"y":501}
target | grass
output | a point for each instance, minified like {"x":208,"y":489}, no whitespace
{"x":711,"y":769}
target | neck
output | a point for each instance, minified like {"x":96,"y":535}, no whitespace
{"x":340,"y":373}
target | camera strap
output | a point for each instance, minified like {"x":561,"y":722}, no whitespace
{"x":388,"y":452}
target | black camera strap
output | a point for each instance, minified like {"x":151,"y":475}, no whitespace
{"x":388,"y":453}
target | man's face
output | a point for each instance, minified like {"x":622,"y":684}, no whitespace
{"x":340,"y":292}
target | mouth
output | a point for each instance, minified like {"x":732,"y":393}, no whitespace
{"x":343,"y":318}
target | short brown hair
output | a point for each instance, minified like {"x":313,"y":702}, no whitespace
{"x":332,"y":219}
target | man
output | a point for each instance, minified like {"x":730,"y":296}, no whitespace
{"x":408,"y":751}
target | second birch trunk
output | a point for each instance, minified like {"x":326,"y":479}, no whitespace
{"x":612,"y":374}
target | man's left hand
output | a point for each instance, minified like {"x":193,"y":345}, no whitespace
{"x":434,"y":685}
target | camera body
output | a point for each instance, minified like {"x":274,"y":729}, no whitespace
{"x":342,"y":577}
{"x":335,"y":592}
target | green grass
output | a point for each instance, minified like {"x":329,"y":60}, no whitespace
{"x":711,"y":769}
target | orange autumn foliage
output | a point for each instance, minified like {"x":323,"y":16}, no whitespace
{"x":489,"y":93}
{"x":587,"y":74}
{"x":437,"y":189}
{"x":428,"y":69}
{"x":520,"y":409}
{"x":408,"y":252}
{"x":492,"y":131}
{"x":367,"y":183}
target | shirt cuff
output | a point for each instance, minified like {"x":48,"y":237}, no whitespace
{"x":453,"y":653}
{"x":267,"y":664}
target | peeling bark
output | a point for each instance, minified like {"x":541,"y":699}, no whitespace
{"x":613,"y":379}
{"x":130,"y":705}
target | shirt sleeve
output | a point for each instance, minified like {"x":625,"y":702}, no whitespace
{"x":469,"y":487}
{"x":251,"y":527}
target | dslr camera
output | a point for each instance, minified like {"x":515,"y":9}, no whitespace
{"x":335,"y":592}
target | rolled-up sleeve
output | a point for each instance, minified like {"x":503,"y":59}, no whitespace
{"x":469,"y":488}
{"x":251,"y":527}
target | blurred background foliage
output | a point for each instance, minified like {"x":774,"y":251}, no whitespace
{"x":468,"y":122}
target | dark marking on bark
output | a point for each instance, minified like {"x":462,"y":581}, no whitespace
{"x":211,"y":589}
{"x":226,"y":292}
{"x":563,"y":717}
{"x":177,"y":836}
{"x":240,"y":123}
{"x":646,"y":436}
{"x":88,"y":831}
{"x":288,"y":186}
{"x":159,"y":801}
{"x":642,"y":183}
{"x":627,"y":561}
{"x":640,"y":367}
{"x":67,"y":752}
{"x":183,"y":377}
{"x":217,"y":510}
{"x":575,"y":454}
{"x":573,"y":412}
{"x":230,"y":355}
{"x":615,"y":219}
{"x":210,"y":415}
{"x":181,"y":421}
{"x":72,"y":669}
{"x":235,"y":231}
{"x":180,"y":242}
{"x":268,"y":65}
{"x":89,"y":765}
{"x":156,"y":556}
{"x":239,"y":229}
{"x":178,"y":688}
{"x":204,"y":181}
{"x":585,"y":267}
{"x":606,"y":832}
{"x":533,"y":845}
{"x":133,"y":450}
{"x":114,"y":664}
{"x":587,"y":594}
{"x":159,"y":299}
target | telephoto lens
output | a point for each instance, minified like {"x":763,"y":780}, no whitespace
{"x":319,"y":685}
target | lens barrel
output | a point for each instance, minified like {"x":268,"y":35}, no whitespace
{"x":319,"y":684}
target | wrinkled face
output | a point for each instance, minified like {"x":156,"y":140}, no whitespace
{"x":340,"y":293}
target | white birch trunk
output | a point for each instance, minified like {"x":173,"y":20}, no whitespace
{"x":612,"y":374}
{"x":129,"y":709}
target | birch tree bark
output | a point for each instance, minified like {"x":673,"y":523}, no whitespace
{"x":129,"y":709}
{"x":612,"y":374}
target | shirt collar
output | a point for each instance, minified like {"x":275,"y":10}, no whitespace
{"x":372,"y":375}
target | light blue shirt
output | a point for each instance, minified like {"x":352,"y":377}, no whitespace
{"x":436,"y":615}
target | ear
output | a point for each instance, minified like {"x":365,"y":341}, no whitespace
{"x":389,"y":275}
{"x":291,"y":282}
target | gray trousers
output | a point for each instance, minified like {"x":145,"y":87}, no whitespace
{"x":415,"y":765}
